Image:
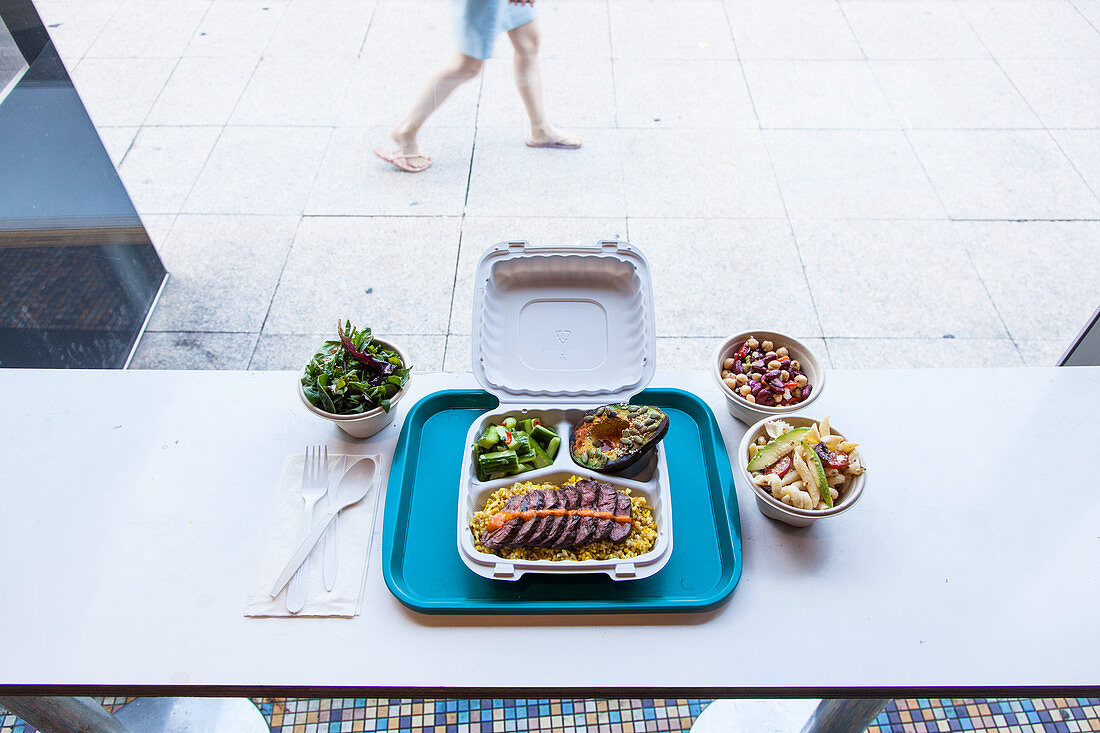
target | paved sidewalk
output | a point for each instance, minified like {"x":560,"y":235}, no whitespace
{"x":902,"y":183}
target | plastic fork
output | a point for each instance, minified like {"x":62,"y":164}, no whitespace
{"x":314,"y":486}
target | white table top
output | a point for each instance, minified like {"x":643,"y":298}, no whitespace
{"x":134,"y":504}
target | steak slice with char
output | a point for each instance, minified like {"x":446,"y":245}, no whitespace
{"x":623,"y":508}
{"x":542,"y":529}
{"x":605,"y":502}
{"x":568,"y":536}
{"x":503,"y":536}
{"x":523,"y":536}
{"x":557,"y":524}
{"x":586,"y":527}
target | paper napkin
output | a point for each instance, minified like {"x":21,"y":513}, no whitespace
{"x":281,"y":538}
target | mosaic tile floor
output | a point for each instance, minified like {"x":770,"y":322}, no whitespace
{"x":917,"y":715}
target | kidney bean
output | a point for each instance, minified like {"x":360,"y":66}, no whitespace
{"x":806,"y":391}
{"x":771,"y":374}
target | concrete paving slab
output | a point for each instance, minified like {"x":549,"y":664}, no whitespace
{"x":1003,"y":174}
{"x":138,"y":29}
{"x":507,"y":177}
{"x":577,"y":92}
{"x":395,"y":22}
{"x":203,"y":92}
{"x":679,"y":93}
{"x":712,"y":173}
{"x":922,"y":29}
{"x":223,"y":271}
{"x":311,"y":29}
{"x":74,"y":25}
{"x":684,"y":29}
{"x":163,"y":164}
{"x":241,"y":28}
{"x":394,"y":273}
{"x":191,"y":350}
{"x":259,"y":170}
{"x":292,"y":351}
{"x":717,"y":277}
{"x":791,"y":29}
{"x":1032,"y":29}
{"x":900,"y":279}
{"x":457,"y":357}
{"x":924,"y":353}
{"x":382,"y":89}
{"x":818,"y":95}
{"x":293,"y":91}
{"x":1082,"y":147}
{"x":117,"y":141}
{"x":353,"y":181}
{"x":158,"y":226}
{"x":1062,"y":92}
{"x":1043,"y":276}
{"x":840,"y":174}
{"x":1044,"y":352}
{"x":120,"y":91}
{"x":573,"y":29}
{"x":953,"y":94}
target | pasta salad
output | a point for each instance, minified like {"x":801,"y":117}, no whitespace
{"x":807,"y":467}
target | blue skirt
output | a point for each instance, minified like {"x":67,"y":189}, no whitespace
{"x":479,"y":22}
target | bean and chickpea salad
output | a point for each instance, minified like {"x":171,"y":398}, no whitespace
{"x":760,"y":373}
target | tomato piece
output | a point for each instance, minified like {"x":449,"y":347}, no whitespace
{"x":742,"y":351}
{"x":508,"y":439}
{"x":780,"y":467}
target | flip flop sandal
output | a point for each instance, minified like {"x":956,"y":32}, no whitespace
{"x":558,"y":144}
{"x":400,"y":160}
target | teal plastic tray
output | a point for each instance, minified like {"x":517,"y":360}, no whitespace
{"x":420,"y":559}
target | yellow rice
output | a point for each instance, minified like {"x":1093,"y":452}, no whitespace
{"x":641,"y":539}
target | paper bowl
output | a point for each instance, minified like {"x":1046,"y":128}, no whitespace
{"x":365,"y":424}
{"x":772,"y":507}
{"x":749,"y":412}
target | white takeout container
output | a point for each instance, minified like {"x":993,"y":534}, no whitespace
{"x":770,"y":506}
{"x":557,"y":331}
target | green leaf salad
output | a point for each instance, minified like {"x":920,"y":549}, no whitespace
{"x":353,"y":374}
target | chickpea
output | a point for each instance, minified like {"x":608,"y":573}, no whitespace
{"x":766,"y":346}
{"x":750,"y":398}
{"x":742,"y":379}
{"x":728,"y":364}
{"x":801,"y":380}
{"x":782,"y":351}
{"x":756,"y":377}
{"x":752,"y":342}
{"x":773,"y":364}
{"x":770,"y":355}
{"x":727,"y":374}
{"x":730,"y":382}
{"x":797,"y":392}
{"x":795,"y":366}
{"x":744,"y":390}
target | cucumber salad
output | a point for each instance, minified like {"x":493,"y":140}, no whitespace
{"x":806,"y":468}
{"x":514,"y":446}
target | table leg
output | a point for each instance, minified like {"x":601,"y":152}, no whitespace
{"x":64,"y":714}
{"x":843,"y":716}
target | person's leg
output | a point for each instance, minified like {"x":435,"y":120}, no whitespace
{"x":525,"y":40}
{"x":437,"y":87}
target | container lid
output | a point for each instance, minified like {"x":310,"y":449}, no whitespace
{"x":570,"y":322}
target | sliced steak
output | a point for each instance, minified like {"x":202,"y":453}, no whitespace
{"x":623,"y":508}
{"x":568,"y":536}
{"x":605,"y":502}
{"x":572,"y":497}
{"x":542,"y":529}
{"x":589,"y":492}
{"x":503,"y":536}
{"x":523,"y":536}
{"x":557,"y":524}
